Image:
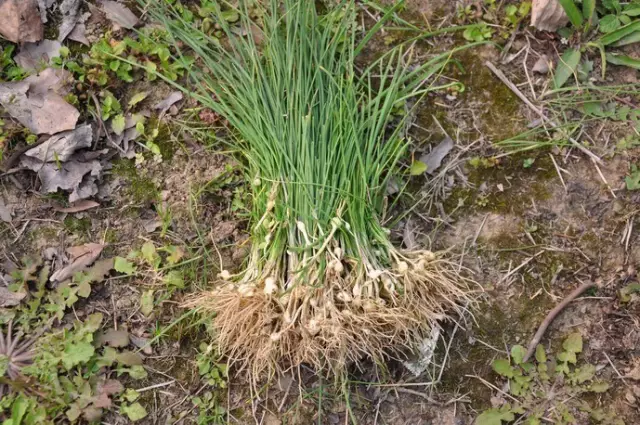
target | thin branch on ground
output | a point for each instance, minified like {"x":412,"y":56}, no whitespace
{"x":552,"y":315}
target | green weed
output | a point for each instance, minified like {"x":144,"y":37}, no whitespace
{"x":617,"y":27}
{"x":632,"y":180}
{"x":549,"y":388}
{"x":9,"y":71}
{"x":67,"y":377}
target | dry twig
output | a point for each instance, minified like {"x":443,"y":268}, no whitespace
{"x":552,"y":315}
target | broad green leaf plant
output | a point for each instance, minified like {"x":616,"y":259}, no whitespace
{"x":602,"y":25}
{"x":548,"y":388}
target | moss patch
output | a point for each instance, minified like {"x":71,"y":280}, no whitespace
{"x":77,"y":226}
{"x":500,"y":115}
{"x":141,"y":189}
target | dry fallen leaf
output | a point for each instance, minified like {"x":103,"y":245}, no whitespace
{"x":76,"y":207}
{"x":37,"y":103}
{"x":20,"y":21}
{"x":69,"y":10}
{"x":119,"y":14}
{"x":115,"y":338}
{"x":79,"y":34}
{"x":142,"y":343}
{"x":44,"y":5}
{"x":167,"y":102}
{"x":60,"y":147}
{"x":33,"y":56}
{"x":10,"y":299}
{"x":548,"y":15}
{"x":433,"y":159}
{"x":542,"y":65}
{"x":56,"y":80}
{"x":81,"y":257}
{"x":75,"y":176}
{"x":5,"y":212}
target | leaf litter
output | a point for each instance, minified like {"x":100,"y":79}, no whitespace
{"x":548,"y":15}
{"x":82,"y":205}
{"x":37,"y":103}
{"x":433,"y":159}
{"x":61,"y":146}
{"x":70,"y":10}
{"x":59,"y":165}
{"x":119,"y":14}
{"x":20,"y":21}
{"x":164,"y":105}
{"x":32,"y":56}
{"x":6,"y":214}
{"x":80,"y":258}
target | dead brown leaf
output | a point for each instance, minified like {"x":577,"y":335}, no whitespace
{"x":119,"y":14}
{"x":542,"y":65}
{"x":69,"y":10}
{"x":38,"y":105}
{"x":81,"y":257}
{"x":168,"y":102}
{"x":142,"y":343}
{"x":79,"y":34}
{"x":115,"y":338}
{"x":60,"y":147}
{"x":548,"y":15}
{"x":56,"y":80}
{"x":129,"y":358}
{"x":20,"y":21}
{"x":33,"y":56}
{"x":10,"y":299}
{"x":6,"y":213}
{"x":76,"y":207}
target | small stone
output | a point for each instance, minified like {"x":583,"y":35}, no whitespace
{"x":630,"y":397}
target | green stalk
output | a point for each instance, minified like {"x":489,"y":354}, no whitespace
{"x":323,"y":284}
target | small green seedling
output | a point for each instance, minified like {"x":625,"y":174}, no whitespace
{"x":633,"y":179}
{"x":629,"y":290}
{"x":478,"y":33}
{"x":9,"y":71}
{"x":548,"y":387}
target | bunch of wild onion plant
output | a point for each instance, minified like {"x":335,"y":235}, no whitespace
{"x":323,"y":284}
